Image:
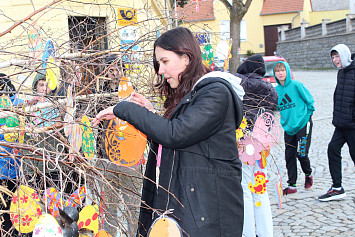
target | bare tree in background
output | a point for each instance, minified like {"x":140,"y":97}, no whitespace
{"x":237,"y":9}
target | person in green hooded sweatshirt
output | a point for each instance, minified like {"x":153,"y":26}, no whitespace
{"x":296,"y":106}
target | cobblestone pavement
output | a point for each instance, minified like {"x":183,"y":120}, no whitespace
{"x":302,"y":214}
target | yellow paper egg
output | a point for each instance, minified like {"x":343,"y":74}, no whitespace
{"x":89,"y":218}
{"x":52,"y":73}
{"x":24,"y":209}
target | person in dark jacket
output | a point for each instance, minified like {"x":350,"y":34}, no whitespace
{"x":200,"y":173}
{"x":258,"y":93}
{"x":260,"y":96}
{"x":343,"y":118}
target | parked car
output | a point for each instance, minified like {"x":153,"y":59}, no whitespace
{"x":269,"y":65}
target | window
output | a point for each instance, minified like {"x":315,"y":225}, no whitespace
{"x":84,"y":31}
{"x":224,"y":27}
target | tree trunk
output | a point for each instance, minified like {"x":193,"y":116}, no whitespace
{"x":235,"y":35}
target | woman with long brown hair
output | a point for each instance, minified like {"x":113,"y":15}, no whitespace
{"x":200,"y":172}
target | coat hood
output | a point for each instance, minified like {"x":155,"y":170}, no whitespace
{"x":233,"y":80}
{"x":288,"y":72}
{"x":253,"y":64}
{"x":344,"y":54}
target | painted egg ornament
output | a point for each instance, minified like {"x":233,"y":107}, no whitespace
{"x":53,"y":201}
{"x":88,"y":141}
{"x":88,"y":218}
{"x":25,"y":210}
{"x":35,"y":45}
{"x":68,"y":118}
{"x":76,"y":198}
{"x":48,"y":51}
{"x":75,"y":139}
{"x":52,"y":73}
{"x":124,"y":144}
{"x":5,"y":102}
{"x":102,"y":233}
{"x":165,"y":226}
{"x":47,"y":226}
{"x":125,"y":88}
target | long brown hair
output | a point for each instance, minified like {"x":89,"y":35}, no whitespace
{"x":182,"y":42}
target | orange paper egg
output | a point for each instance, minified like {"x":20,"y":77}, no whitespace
{"x":165,"y":226}
{"x":124,"y":144}
{"x":125,"y":88}
{"x":102,"y":233}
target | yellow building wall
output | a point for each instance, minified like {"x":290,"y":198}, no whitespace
{"x":307,"y":9}
{"x":54,"y":23}
{"x":286,"y":18}
{"x":316,"y":17}
{"x":255,"y":31}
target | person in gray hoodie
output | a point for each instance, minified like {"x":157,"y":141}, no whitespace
{"x":343,"y":118}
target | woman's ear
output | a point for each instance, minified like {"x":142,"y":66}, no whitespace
{"x":186,"y":59}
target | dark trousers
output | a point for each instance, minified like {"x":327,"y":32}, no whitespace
{"x":340,"y":136}
{"x":297,"y":146}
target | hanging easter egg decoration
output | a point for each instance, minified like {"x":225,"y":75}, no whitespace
{"x":75,"y":140}
{"x":266,"y":129}
{"x":102,"y":233}
{"x":47,"y":226}
{"x":165,"y":226}
{"x":88,"y":141}
{"x":76,"y":198}
{"x":5,"y":102}
{"x":68,"y":119}
{"x":88,"y":218}
{"x":124,"y":144}
{"x":52,"y":73}
{"x":25,"y":209}
{"x":35,"y":45}
{"x":54,"y":201}
{"x":125,"y":88}
{"x":48,"y":52}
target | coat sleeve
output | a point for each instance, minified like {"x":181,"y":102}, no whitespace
{"x":203,"y":117}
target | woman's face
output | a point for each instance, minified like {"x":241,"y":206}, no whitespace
{"x":171,"y":65}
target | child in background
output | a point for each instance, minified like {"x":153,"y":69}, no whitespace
{"x":343,"y":118}
{"x":259,"y":95}
{"x":296,"y":106}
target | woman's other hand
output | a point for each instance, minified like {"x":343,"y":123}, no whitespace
{"x":105,"y":114}
{"x":141,"y":101}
